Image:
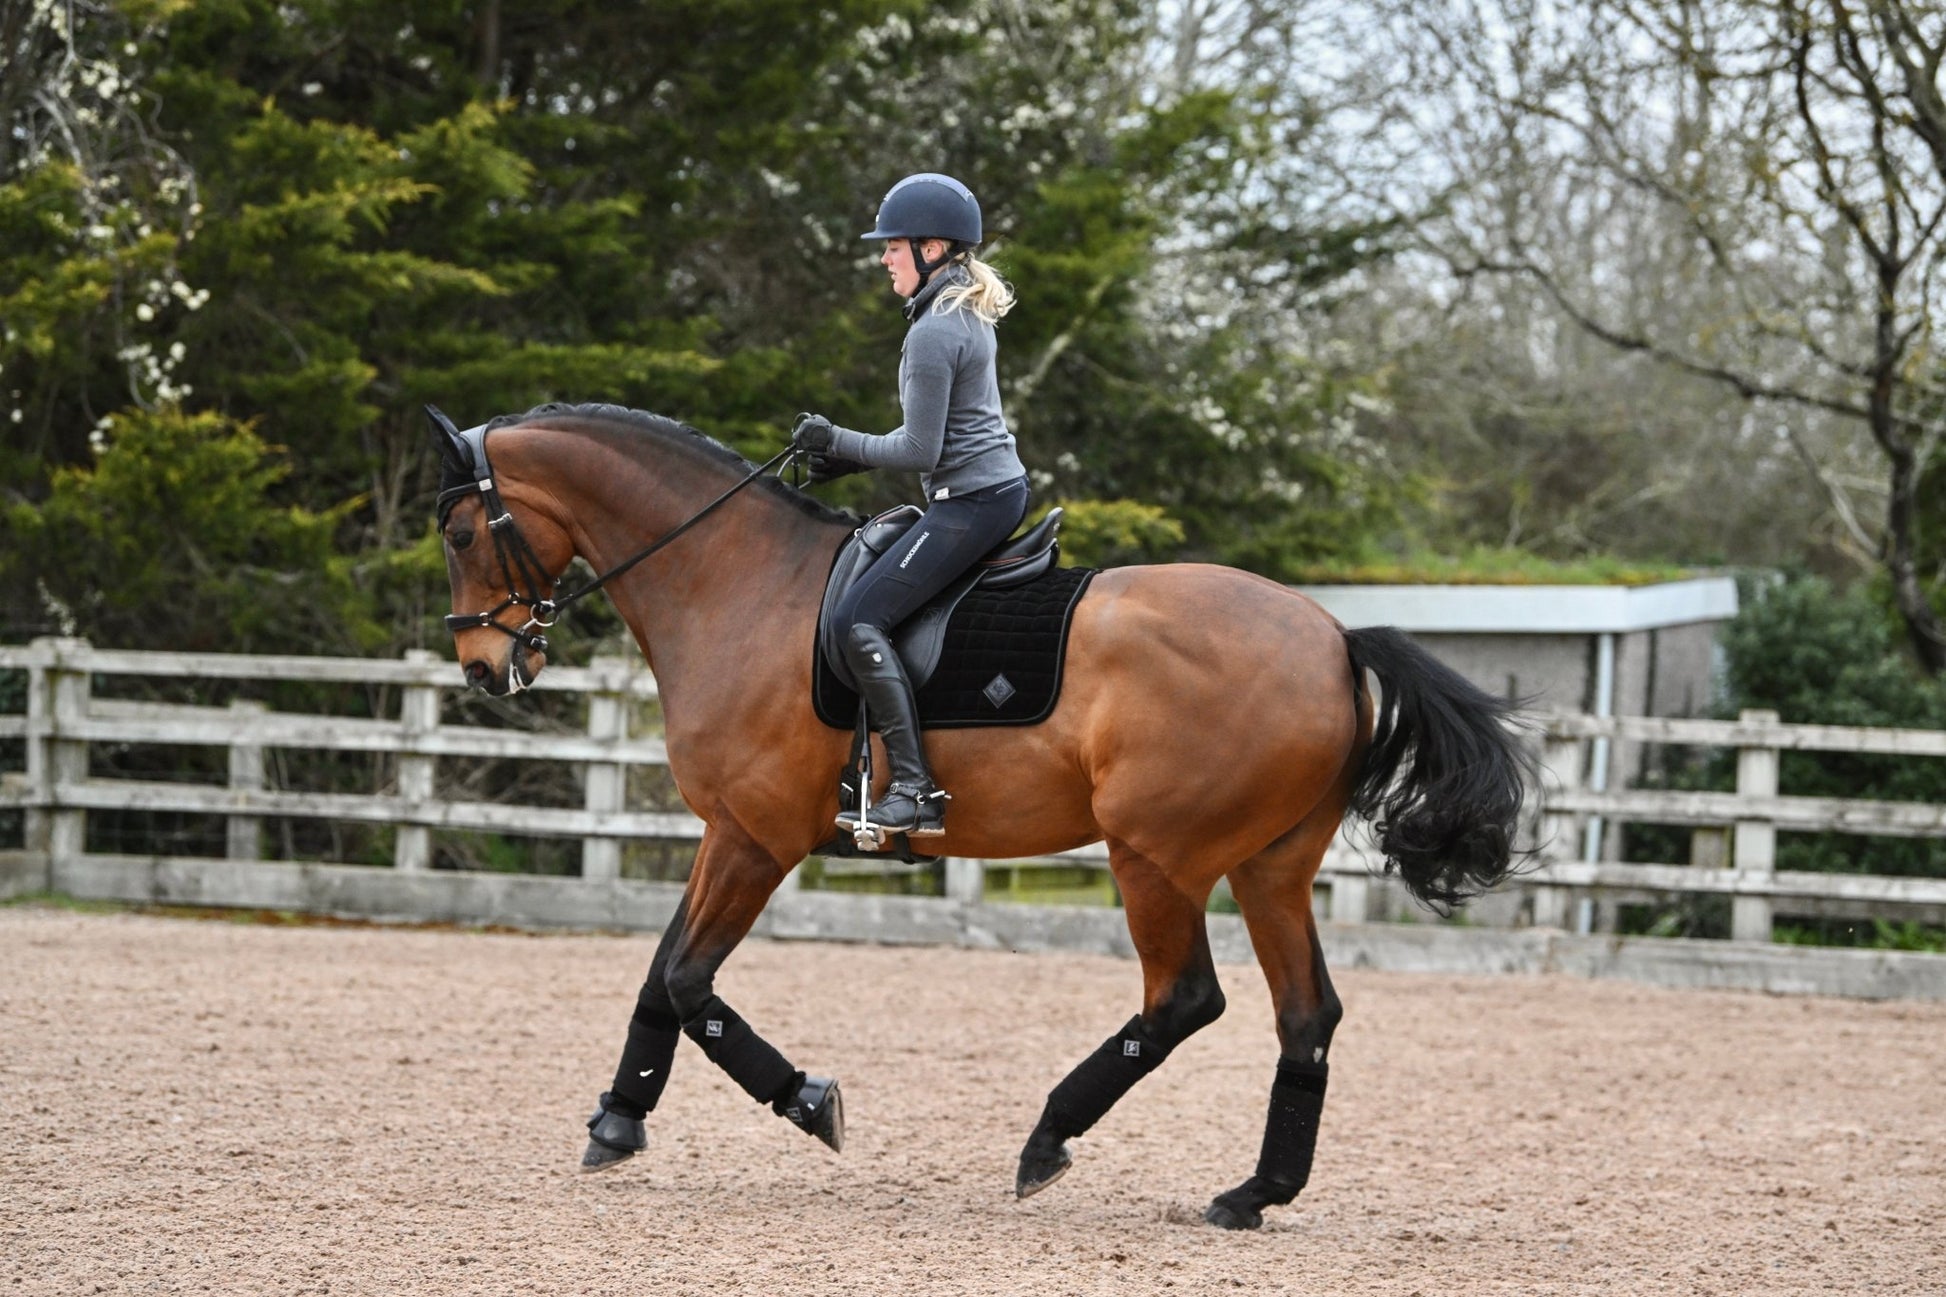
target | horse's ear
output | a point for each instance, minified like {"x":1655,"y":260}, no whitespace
{"x":452,"y":451}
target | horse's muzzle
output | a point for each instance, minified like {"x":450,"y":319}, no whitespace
{"x":518,"y":672}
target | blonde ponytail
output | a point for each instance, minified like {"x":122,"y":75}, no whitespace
{"x":988,"y":296}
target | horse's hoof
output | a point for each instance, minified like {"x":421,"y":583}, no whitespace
{"x":1228,"y":1216}
{"x":612,"y":1138}
{"x":818,"y":1109}
{"x":600,"y":1157}
{"x":1243,"y":1206}
{"x":1039,"y":1168}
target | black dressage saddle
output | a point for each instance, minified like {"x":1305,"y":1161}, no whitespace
{"x":920,"y":638}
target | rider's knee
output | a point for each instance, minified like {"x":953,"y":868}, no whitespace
{"x":864,"y":642}
{"x":863,"y":634}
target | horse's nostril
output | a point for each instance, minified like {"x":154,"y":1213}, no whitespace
{"x":477,"y":672}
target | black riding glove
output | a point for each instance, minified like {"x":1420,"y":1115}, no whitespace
{"x":820,"y":469}
{"x":813,"y":433}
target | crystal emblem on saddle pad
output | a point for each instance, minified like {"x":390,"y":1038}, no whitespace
{"x":999,"y":690}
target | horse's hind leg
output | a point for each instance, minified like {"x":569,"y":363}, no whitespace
{"x":1273,"y":891}
{"x":1180,"y":996}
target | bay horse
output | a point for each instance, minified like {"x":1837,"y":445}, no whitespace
{"x":1211,"y":725}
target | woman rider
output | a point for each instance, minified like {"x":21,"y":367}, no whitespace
{"x":956,"y":439}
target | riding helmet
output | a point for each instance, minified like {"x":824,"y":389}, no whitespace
{"x":928,"y":206}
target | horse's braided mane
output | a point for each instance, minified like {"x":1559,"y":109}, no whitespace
{"x":681,"y":434}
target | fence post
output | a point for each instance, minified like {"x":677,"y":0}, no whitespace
{"x":1350,"y":900}
{"x":418,"y":716}
{"x":1709,"y":848}
{"x":57,"y":698}
{"x":606,"y":781}
{"x":966,"y":880}
{"x":39,"y":818}
{"x":1755,"y":841}
{"x":1351,"y":897}
{"x":1560,"y":838}
{"x":245,"y":833}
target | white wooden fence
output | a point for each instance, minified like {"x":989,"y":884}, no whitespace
{"x":1734,"y":843}
{"x":1735,"y":832}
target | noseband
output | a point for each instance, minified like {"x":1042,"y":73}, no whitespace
{"x":520,"y":567}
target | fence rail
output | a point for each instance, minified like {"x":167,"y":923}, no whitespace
{"x":1734,"y":836}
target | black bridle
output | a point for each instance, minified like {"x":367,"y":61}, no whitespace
{"x":520,"y":567}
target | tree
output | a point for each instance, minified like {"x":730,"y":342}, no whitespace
{"x":95,"y":210}
{"x":345,"y":209}
{"x":172,"y":536}
{"x":1786,"y":154}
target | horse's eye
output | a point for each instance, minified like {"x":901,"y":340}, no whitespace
{"x":462,"y":538}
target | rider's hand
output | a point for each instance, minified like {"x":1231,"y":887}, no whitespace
{"x":829,"y":468}
{"x":812,"y":433}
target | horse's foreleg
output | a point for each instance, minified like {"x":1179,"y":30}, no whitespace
{"x":1274,"y":893}
{"x":732,"y":879}
{"x":615,"y":1132}
{"x":1180,"y":996}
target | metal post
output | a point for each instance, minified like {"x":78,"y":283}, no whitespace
{"x":1591,"y":849}
{"x":418,"y":716}
{"x":1755,"y":840}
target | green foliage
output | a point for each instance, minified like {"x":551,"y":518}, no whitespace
{"x":1816,"y":654}
{"x":172,"y":537}
{"x":1481,"y":565}
{"x":1877,"y":934}
{"x":1111,"y":533}
{"x":304,"y":219}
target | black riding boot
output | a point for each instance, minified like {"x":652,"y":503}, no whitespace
{"x":913,"y":804}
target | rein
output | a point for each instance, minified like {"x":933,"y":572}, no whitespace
{"x":515,"y":554}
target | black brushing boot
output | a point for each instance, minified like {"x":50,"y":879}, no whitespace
{"x":1290,"y":1138}
{"x":613,"y":1137}
{"x":815,"y":1107}
{"x":913,"y":805}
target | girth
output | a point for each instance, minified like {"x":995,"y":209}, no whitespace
{"x":920,"y":637}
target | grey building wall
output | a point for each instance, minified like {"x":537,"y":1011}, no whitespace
{"x":1661,"y":672}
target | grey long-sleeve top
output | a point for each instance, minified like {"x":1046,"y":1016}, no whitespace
{"x":954,"y":435}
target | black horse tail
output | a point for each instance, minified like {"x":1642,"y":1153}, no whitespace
{"x":1446,"y":775}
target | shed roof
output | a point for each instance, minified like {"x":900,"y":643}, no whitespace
{"x":1530,"y":609}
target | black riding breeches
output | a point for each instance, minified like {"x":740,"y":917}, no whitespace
{"x":953,"y":535}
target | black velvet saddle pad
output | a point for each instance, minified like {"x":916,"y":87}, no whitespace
{"x":1001,"y":664}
